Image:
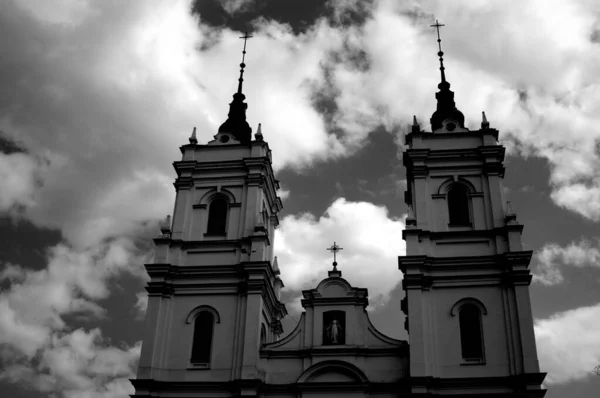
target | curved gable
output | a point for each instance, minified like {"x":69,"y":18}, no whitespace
{"x":334,"y":287}
{"x":375,"y":336}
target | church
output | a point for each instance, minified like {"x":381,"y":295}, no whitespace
{"x":213,"y":324}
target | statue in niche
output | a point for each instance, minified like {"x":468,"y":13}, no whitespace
{"x":334,"y":330}
{"x":334,"y":324}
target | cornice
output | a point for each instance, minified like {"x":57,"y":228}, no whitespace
{"x":151,"y":387}
{"x":401,"y":350}
{"x":529,"y":382}
{"x":462,"y":233}
{"x":327,"y":301}
{"x":504,"y":260}
{"x":423,"y":272}
{"x":488,"y":158}
{"x":428,"y":135}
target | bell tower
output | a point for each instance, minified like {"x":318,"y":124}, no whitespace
{"x":466,"y":276}
{"x":214,"y":289}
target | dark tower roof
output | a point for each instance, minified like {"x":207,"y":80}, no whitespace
{"x":236,"y":123}
{"x":446,"y":108}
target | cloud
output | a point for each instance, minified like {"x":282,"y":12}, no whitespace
{"x":20,"y":174}
{"x":371,"y":241}
{"x":105,"y":92}
{"x":551,"y":258}
{"x":235,"y":6}
{"x":568,"y":344}
{"x":39,"y":346}
{"x":79,"y":364}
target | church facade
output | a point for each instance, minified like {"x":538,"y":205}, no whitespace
{"x":213,"y":323}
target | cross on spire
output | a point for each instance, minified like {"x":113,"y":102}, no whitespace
{"x":334,"y":249}
{"x":437,"y":27}
{"x":243,"y":65}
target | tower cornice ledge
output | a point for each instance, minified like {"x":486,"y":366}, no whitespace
{"x":527,"y":384}
{"x":474,"y":233}
{"x":428,"y":135}
{"x":508,"y":260}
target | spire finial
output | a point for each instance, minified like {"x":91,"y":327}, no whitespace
{"x":415,"y":126}
{"x":193,"y":139}
{"x":437,"y":26}
{"x":484,"y":123}
{"x":258,"y":135}
{"x":243,"y":65}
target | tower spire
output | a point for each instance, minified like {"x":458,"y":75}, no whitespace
{"x":236,"y":121}
{"x":437,"y":26}
{"x":243,"y":65}
{"x":446,"y":108}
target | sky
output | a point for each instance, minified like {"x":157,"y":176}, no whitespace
{"x":97,"y":96}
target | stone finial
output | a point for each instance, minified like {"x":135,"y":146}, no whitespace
{"x":165,"y":227}
{"x":276,"y":270}
{"x":411,"y":221}
{"x":511,"y":216}
{"x":192,"y":138}
{"x":415,"y":126}
{"x":258,"y":136}
{"x":484,"y":122}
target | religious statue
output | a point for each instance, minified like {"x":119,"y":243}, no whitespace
{"x":333,"y":331}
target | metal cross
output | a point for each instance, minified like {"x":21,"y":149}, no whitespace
{"x":334,"y":249}
{"x":437,"y":26}
{"x":245,"y":37}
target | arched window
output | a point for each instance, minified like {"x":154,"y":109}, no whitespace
{"x":217,"y":216}
{"x":263,"y":335}
{"x":471,"y":339}
{"x":203,"y":335}
{"x":458,"y":205}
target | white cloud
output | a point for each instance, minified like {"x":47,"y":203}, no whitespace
{"x":568,"y":344}
{"x":20,"y":174}
{"x":371,"y":242}
{"x":106,"y":92}
{"x":40,"y":348}
{"x":551,"y":258}
{"x":80,"y":364}
{"x":236,"y":6}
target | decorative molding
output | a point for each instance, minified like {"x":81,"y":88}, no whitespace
{"x":338,"y":366}
{"x":467,"y":300}
{"x":201,"y":308}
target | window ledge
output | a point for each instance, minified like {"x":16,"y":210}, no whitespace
{"x":198,"y":366}
{"x":223,"y":235}
{"x":471,"y":362}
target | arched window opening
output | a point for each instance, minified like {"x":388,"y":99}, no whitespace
{"x":263,"y":335}
{"x":458,"y":205}
{"x":203,"y":335}
{"x":217,"y":217}
{"x":471,"y":339}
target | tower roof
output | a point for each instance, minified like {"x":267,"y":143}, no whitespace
{"x":446,"y":108}
{"x":236,"y":123}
